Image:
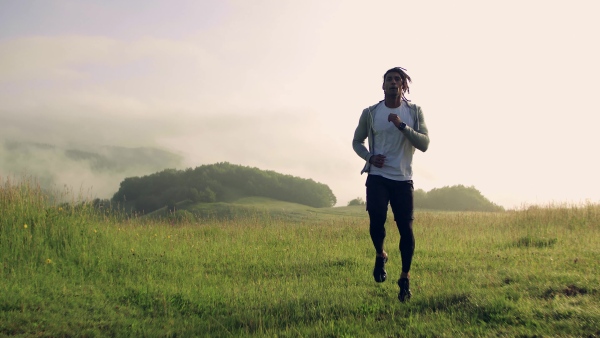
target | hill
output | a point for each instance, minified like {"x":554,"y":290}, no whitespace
{"x":220,"y":182}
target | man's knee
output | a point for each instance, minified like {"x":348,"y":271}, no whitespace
{"x":377,"y":218}
{"x":404,"y":225}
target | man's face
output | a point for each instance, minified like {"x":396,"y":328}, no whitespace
{"x":392,"y":84}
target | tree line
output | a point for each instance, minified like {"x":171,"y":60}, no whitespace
{"x":219,"y":182}
{"x":449,"y":198}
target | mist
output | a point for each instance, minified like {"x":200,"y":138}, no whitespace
{"x":93,"y":172}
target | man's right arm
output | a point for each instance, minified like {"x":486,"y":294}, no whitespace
{"x":360,"y":135}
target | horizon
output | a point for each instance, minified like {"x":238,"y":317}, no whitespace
{"x":507,"y":90}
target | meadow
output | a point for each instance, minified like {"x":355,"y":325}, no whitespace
{"x":287,"y":270}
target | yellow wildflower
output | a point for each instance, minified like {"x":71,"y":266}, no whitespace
{"x":25,"y":226}
{"x":48,"y":261}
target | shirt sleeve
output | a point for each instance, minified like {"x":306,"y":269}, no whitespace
{"x":360,"y":134}
{"x":418,"y":135}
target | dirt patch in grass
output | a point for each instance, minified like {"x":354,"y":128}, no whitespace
{"x":535,"y":242}
{"x":569,"y":291}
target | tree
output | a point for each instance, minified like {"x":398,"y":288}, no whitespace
{"x":356,"y":201}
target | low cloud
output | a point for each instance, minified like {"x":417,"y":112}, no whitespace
{"x":92,"y":171}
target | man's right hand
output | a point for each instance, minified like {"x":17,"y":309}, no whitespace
{"x":377,"y":160}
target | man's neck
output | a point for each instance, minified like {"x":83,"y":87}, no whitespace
{"x":393,"y":101}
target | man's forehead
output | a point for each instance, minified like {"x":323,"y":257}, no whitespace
{"x":392,"y":74}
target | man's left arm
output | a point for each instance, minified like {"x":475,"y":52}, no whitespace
{"x":417,"y":135}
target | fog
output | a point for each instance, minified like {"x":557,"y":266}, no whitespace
{"x":92,"y":173}
{"x":508,"y":91}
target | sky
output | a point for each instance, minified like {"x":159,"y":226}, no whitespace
{"x":507,"y":88}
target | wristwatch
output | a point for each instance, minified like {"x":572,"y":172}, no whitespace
{"x":402,"y":126}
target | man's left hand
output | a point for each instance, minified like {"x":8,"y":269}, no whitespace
{"x":395,"y":119}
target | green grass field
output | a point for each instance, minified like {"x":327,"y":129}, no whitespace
{"x":286,"y":270}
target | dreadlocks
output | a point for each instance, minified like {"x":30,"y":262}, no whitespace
{"x":404,"y":78}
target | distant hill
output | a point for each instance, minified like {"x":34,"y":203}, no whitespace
{"x":220,"y":182}
{"x":454,"y":198}
{"x":448,"y":198}
{"x":82,"y":166}
{"x":98,"y":158}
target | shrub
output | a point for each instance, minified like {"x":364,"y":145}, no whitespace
{"x":356,"y":201}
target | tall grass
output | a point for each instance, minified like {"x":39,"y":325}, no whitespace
{"x":75,"y":270}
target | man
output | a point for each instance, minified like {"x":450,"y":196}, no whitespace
{"x":394,"y":128}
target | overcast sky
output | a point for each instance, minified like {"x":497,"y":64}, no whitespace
{"x":507,"y":88}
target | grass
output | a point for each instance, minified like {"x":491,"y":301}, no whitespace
{"x":77,"y":271}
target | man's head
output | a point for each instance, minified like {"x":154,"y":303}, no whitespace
{"x":395,"y":82}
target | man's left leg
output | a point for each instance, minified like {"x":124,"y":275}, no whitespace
{"x":401,"y":201}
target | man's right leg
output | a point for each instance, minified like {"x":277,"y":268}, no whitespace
{"x":377,"y":203}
